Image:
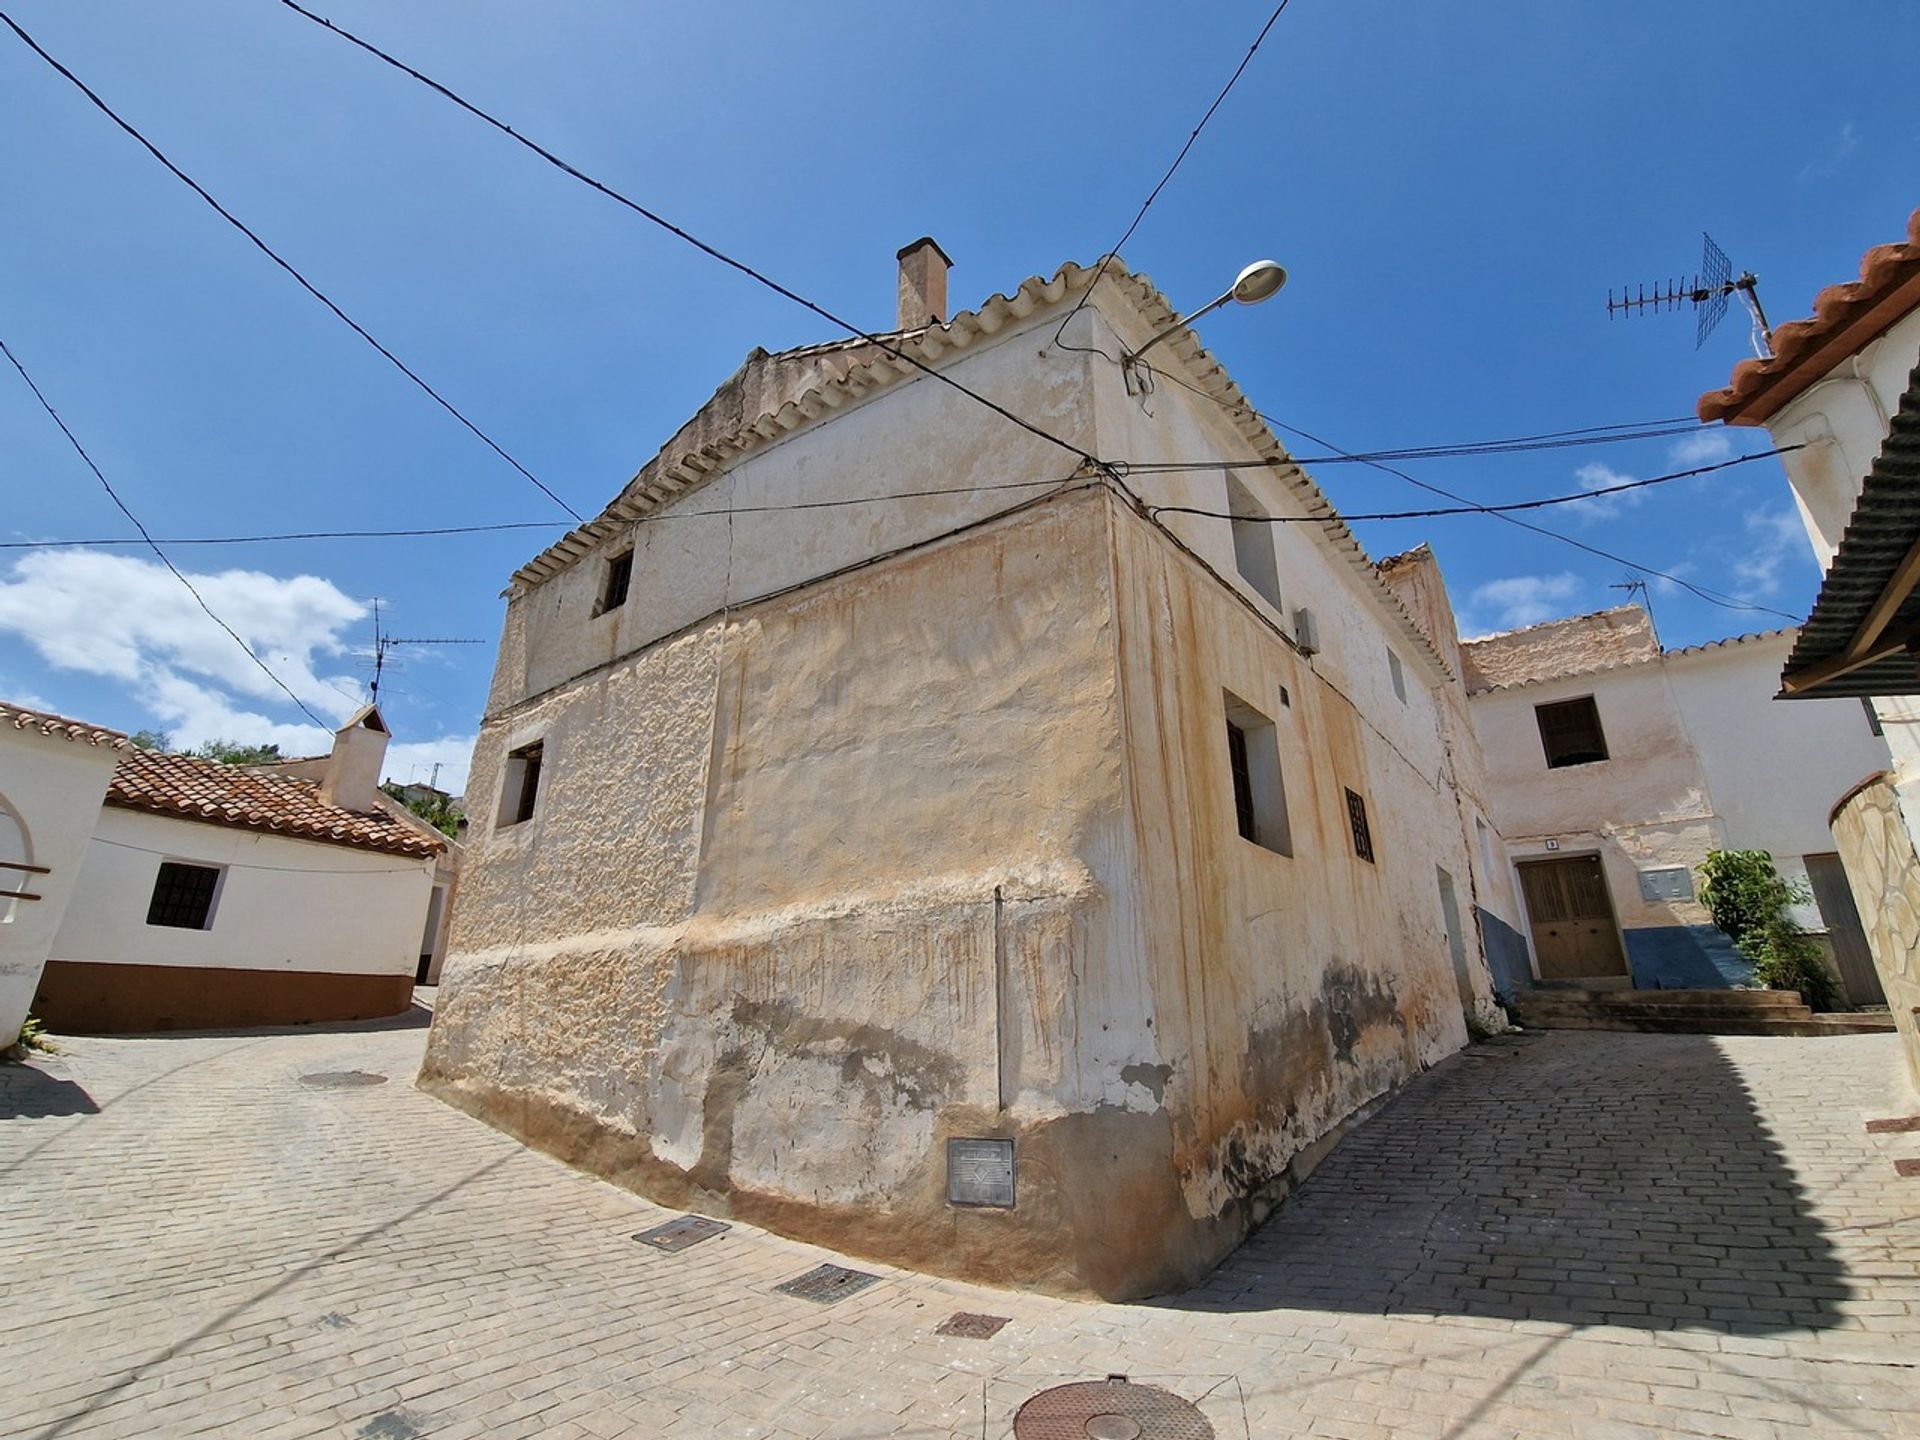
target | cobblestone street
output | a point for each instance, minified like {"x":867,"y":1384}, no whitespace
{"x":1594,"y":1235}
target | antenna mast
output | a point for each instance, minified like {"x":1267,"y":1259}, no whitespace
{"x":383,"y":642}
{"x":1708,"y":293}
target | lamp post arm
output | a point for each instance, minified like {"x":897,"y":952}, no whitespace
{"x":1206,"y":309}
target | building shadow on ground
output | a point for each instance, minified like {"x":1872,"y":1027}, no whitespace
{"x":415,"y":1017}
{"x":1569,"y":1177}
{"x":29,"y":1093}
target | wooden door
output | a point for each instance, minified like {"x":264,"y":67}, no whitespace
{"x":1574,"y":936}
{"x":1850,"y":954}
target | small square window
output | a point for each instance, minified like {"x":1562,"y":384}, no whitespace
{"x":183,"y":896}
{"x":613,"y":588}
{"x":1399,"y":676}
{"x":1570,"y":732}
{"x":1259,"y":789}
{"x":521,"y":787}
{"x":1362,"y":833}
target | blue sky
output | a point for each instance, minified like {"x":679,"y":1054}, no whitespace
{"x":1454,"y":189}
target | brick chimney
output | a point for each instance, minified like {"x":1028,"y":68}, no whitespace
{"x":352,"y":776}
{"x":923,"y":284}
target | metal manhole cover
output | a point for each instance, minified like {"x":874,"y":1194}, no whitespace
{"x":1112,"y":1409}
{"x":825,"y":1284}
{"x":341,"y":1079}
{"x":969,"y":1326}
{"x":679,"y":1234}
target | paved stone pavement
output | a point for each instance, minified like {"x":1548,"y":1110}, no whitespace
{"x":1603,"y":1236}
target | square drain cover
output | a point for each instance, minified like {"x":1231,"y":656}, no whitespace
{"x":972,"y":1327}
{"x":827,"y":1283}
{"x":980,"y":1172}
{"x":679,"y":1234}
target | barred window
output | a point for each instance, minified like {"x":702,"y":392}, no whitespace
{"x":183,"y":896}
{"x":1362,"y":834}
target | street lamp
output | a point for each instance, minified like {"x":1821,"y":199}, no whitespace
{"x":1259,"y":281}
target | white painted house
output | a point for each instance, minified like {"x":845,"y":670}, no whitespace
{"x":891,"y":828}
{"x":53,"y":772}
{"x":1615,"y":766}
{"x":1844,"y":384}
{"x":214,"y":896}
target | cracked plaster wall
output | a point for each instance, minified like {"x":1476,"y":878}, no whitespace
{"x":747,"y":955}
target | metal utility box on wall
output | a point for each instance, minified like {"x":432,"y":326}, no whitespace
{"x":1669,"y":883}
{"x":980,"y":1172}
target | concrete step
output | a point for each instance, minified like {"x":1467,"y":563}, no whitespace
{"x":1723,"y":999}
{"x":1689,"y":1012}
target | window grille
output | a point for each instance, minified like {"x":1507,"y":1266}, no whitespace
{"x":1362,"y":834}
{"x":183,"y":896}
{"x":1242,"y":781}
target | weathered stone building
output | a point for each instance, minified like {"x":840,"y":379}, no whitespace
{"x":880,"y":810}
{"x":1615,"y":766}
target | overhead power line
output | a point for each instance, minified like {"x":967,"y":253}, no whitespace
{"x":287,"y":535}
{"x":273,"y":255}
{"x":1154,"y":194}
{"x":1712,"y":597}
{"x":678,"y":232}
{"x":153,"y":545}
{"x":1472,"y":509}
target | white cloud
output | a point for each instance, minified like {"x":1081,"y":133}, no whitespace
{"x":412,"y":762}
{"x":1522,"y":600}
{"x":127,"y":619}
{"x":1602,"y":507}
{"x":1844,"y":145}
{"x":1687,"y":453}
{"x":1702,"y":448}
{"x":1773,"y":537}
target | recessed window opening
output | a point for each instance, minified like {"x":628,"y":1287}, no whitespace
{"x":1253,"y":543}
{"x":613,"y":587}
{"x":1259,"y":788}
{"x":1570,"y":732}
{"x":1399,"y":676}
{"x":1485,"y":837}
{"x":183,"y":896}
{"x":521,"y":786}
{"x":1362,"y":832}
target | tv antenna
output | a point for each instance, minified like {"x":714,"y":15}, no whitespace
{"x":1637,"y":584}
{"x":383,"y":642}
{"x":1708,"y":293}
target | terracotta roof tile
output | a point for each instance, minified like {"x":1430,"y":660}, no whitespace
{"x":21,"y":718}
{"x":1845,"y":318}
{"x":206,"y":790}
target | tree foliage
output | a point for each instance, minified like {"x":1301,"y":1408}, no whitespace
{"x":152,"y":740}
{"x":436,"y":809}
{"x":1749,"y":901}
{"x":233,"y":752}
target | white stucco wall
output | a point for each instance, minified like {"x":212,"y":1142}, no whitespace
{"x":1842,"y":420}
{"x":50,"y":788}
{"x":1774,"y":768}
{"x":936,"y":846}
{"x":1701,"y":757}
{"x":283,"y":904}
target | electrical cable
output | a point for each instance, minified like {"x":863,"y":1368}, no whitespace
{"x":1712,"y":597}
{"x":1154,"y":194}
{"x":294,"y":535}
{"x":519,"y":525}
{"x":665,"y":224}
{"x":1472,"y":509}
{"x":273,"y":255}
{"x":113,"y":495}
